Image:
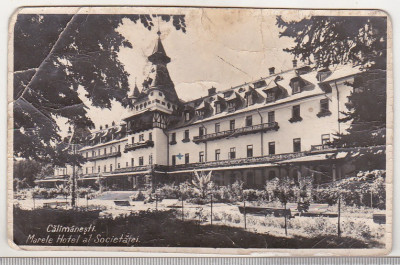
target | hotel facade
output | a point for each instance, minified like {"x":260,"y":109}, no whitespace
{"x":278,"y":126}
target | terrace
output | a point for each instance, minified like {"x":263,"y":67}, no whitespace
{"x":321,"y":148}
{"x":264,"y":127}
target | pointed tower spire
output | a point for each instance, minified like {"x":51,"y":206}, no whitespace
{"x":135,"y":93}
{"x":159,"y":55}
{"x":159,"y":77}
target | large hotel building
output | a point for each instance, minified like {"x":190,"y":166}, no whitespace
{"x":277,"y":126}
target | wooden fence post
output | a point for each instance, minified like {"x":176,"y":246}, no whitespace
{"x":182,"y":210}
{"x":211,"y":209}
{"x":285,"y":220}
{"x":339,"y":232}
{"x":244,"y":211}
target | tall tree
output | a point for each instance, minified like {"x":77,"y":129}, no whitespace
{"x":54,"y":55}
{"x":325,"y":41}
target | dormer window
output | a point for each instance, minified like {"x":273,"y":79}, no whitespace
{"x":296,"y":87}
{"x":187,"y":115}
{"x":249,"y":100}
{"x":323,"y":74}
{"x":200,"y":113}
{"x":270,"y":96}
{"x":217,"y":108}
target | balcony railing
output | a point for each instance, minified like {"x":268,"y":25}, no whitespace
{"x":140,"y":127}
{"x":104,"y":156}
{"x":321,"y":147}
{"x":264,"y":127}
{"x":239,"y":161}
{"x":134,"y":146}
{"x":132,"y":169}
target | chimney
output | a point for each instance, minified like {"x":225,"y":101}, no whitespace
{"x":294,"y":63}
{"x":272,"y":70}
{"x":212,"y":91}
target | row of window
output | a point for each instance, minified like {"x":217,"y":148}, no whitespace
{"x":324,"y":108}
{"x":141,"y":138}
{"x":112,"y":150}
{"x":145,"y":104}
{"x":141,"y":163}
{"x":324,"y":104}
{"x":325,"y":139}
{"x":118,"y":148}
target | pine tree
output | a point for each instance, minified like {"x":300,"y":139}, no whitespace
{"x":361,"y":41}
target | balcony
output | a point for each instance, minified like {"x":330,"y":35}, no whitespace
{"x":264,"y":127}
{"x":132,"y":169}
{"x":295,"y":119}
{"x":324,"y":113}
{"x":104,"y":156}
{"x":239,"y":161}
{"x":134,"y":146}
{"x":321,"y":148}
{"x":140,"y":127}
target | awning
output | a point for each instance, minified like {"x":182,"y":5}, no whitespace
{"x":310,"y":158}
{"x":223,"y":168}
{"x":51,"y":180}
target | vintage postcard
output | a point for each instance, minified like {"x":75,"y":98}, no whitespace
{"x":200,"y":130}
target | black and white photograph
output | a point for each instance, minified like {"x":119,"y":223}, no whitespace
{"x":177,"y":129}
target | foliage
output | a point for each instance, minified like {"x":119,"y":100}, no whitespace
{"x":54,"y":55}
{"x":139,"y":196}
{"x":169,"y":191}
{"x":186,"y":191}
{"x":255,"y":195}
{"x":330,"y":40}
{"x":224,"y":194}
{"x":365,"y":189}
{"x":362,"y":41}
{"x":86,"y":192}
{"x":25,"y":172}
{"x":237,"y":189}
{"x":282,"y":189}
{"x":202,"y":183}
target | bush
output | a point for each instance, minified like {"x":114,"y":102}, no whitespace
{"x":169,"y":191}
{"x":83,"y":192}
{"x":367,"y":188}
{"x":255,"y":195}
{"x":199,"y":200}
{"x":139,"y":196}
{"x":223,"y":194}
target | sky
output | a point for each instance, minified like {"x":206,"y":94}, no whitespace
{"x":221,"y":48}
